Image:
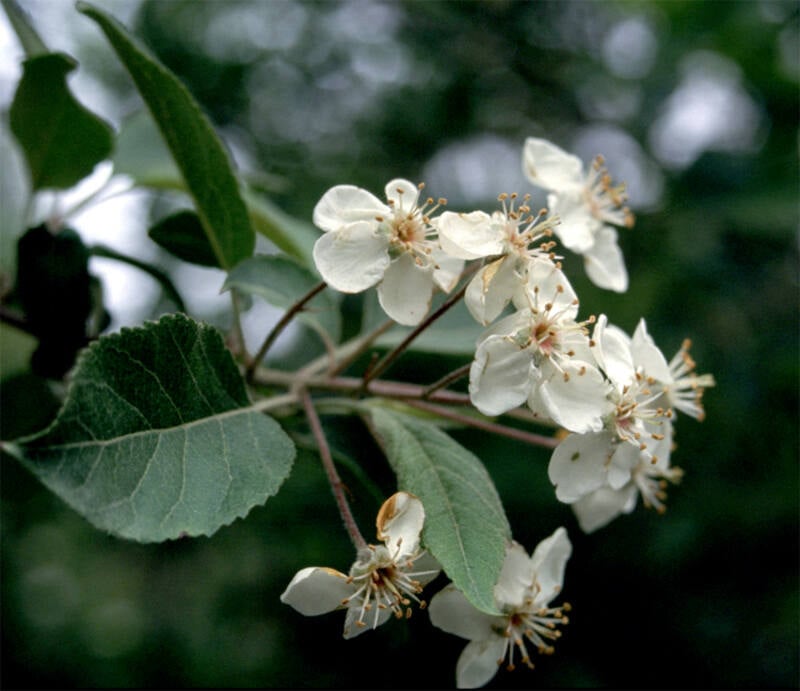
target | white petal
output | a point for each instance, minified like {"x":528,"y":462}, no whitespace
{"x":647,"y":354}
{"x":547,"y":285}
{"x":402,"y":193}
{"x":624,"y":459}
{"x":577,"y":228}
{"x":447,"y":269}
{"x":602,"y":506}
{"x":604,"y":262}
{"x":468,"y":236}
{"x":515,"y":578}
{"x":450,"y":611}
{"x":346,"y":204}
{"x":613,"y":352}
{"x":399,"y":524}
{"x":549,"y":166}
{"x":578,"y":465}
{"x":499,"y":378}
{"x":405,"y":291}
{"x":317,"y":590}
{"x":549,"y":561}
{"x":491,"y":289}
{"x":352,"y":258}
{"x":372,"y":619}
{"x":577,"y":403}
{"x":477,"y":663}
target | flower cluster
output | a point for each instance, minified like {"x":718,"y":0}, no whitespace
{"x":615,"y":397}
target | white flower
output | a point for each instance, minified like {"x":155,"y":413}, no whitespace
{"x":682,"y":388}
{"x":383,"y":580}
{"x":392,"y":245}
{"x":523,"y":594}
{"x":510,"y":236}
{"x":541,"y":354}
{"x":588,"y":206}
{"x":601,"y":472}
{"x":647,"y":477}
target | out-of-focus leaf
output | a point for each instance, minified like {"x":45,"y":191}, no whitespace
{"x":466,"y":528}
{"x":281,"y":281}
{"x":182,"y":234}
{"x":54,"y":290}
{"x":155,"y":439}
{"x":27,"y":35}
{"x":61,"y":139}
{"x":194,"y":144}
{"x":14,"y":196}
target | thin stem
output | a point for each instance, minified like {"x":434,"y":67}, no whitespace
{"x":337,"y":486}
{"x":392,"y":355}
{"x":385,"y":389}
{"x":449,"y":378}
{"x":493,"y":427}
{"x":280,"y":326}
{"x":240,"y":347}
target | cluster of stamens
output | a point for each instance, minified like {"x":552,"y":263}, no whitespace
{"x":552,"y":331}
{"x":523,"y":228}
{"x":532,"y":624}
{"x":633,"y":408}
{"x":606,"y":200}
{"x":384,"y":582}
{"x":411,"y":229}
{"x":686,"y":390}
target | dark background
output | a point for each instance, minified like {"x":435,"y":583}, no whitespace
{"x":695,"y":104}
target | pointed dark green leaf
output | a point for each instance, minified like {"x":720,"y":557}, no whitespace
{"x":61,"y":139}
{"x":281,"y":281}
{"x":182,"y":234}
{"x":155,"y":439}
{"x":466,"y":528}
{"x":195,"y":146}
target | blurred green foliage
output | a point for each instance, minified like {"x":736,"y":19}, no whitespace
{"x":322,"y":93}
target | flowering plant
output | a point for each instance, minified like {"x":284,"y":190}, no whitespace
{"x":169,"y":430}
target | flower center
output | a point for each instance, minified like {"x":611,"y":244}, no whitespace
{"x":410,"y":228}
{"x":532,"y":624}
{"x":522,"y":228}
{"x":383,"y":583}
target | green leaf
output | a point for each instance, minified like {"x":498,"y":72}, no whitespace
{"x":62,"y":140}
{"x":281,"y":281}
{"x":466,"y":528}
{"x":182,"y":234}
{"x":140,"y":153}
{"x":194,"y":144}
{"x":23,"y":28}
{"x":155,"y":439}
